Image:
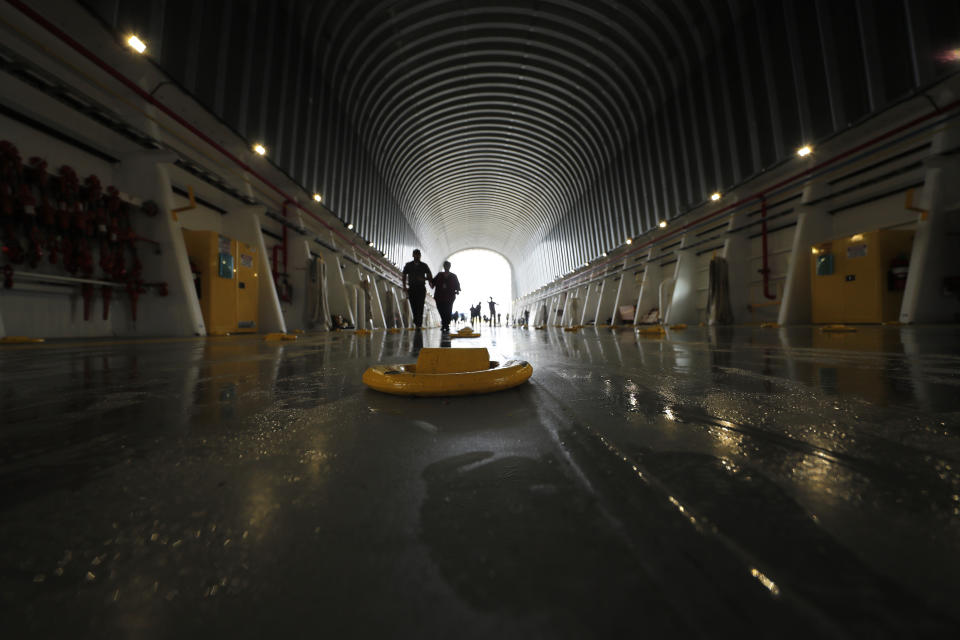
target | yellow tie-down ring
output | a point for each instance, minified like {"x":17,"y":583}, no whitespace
{"x":432,"y":375}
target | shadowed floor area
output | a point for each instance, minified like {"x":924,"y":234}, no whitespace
{"x":781,"y":483}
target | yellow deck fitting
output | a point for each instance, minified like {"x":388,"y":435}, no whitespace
{"x":279,"y":336}
{"x":20,"y":340}
{"x":542,"y":327}
{"x":298,"y":331}
{"x":466,"y":332}
{"x":361,"y":332}
{"x":652,"y":330}
{"x":892,"y":323}
{"x":837,"y":328}
{"x":394,"y":330}
{"x":571,"y":328}
{"x":769,"y":325}
{"x":448,"y":372}
{"x":678,"y":327}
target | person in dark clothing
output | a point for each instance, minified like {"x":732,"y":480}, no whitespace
{"x":416,"y":275}
{"x":493,"y":311}
{"x":446,"y":287}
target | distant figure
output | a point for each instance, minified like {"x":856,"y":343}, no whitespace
{"x":508,"y":319}
{"x":446,"y":287}
{"x":526,"y":317}
{"x":486,"y":319}
{"x":493,"y":311}
{"x":499,"y":316}
{"x":417,"y":274}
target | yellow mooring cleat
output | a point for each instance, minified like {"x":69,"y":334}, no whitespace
{"x":448,"y":372}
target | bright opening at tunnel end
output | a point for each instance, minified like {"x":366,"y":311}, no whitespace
{"x":483,"y":274}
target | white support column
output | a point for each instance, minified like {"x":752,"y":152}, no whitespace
{"x":933,"y":255}
{"x":243,"y":224}
{"x":298,"y":265}
{"x":336,"y":287}
{"x":178,"y":314}
{"x":649,"y":296}
{"x":591,"y":294}
{"x":606,"y":312}
{"x":813,"y":225}
{"x":376,"y":306}
{"x":683,"y":308}
{"x":736,"y":251}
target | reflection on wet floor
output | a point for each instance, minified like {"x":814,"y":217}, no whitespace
{"x":712,"y":481}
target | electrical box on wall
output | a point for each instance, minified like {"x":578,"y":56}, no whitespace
{"x":860,"y":278}
{"x":227,"y":280}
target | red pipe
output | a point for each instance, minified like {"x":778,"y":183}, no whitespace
{"x":765,"y":270}
{"x":79,"y":48}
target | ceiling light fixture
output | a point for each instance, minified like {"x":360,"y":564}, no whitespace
{"x":804,"y":151}
{"x":259,"y":149}
{"x":317,"y":197}
{"x":350,"y":226}
{"x":663,"y":224}
{"x":629,"y":240}
{"x":716,"y":196}
{"x":136,"y":44}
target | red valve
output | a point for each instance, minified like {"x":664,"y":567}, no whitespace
{"x":92,"y":190}
{"x":46,"y":211}
{"x":36,"y":247}
{"x":11,"y":167}
{"x":114,"y":203}
{"x":28,"y":204}
{"x":54,"y":248}
{"x":85,"y":258}
{"x":69,"y":255}
{"x":107,"y":292}
{"x":36,"y":172}
{"x":134,"y":290}
{"x":87,"y":291}
{"x":106,"y":257}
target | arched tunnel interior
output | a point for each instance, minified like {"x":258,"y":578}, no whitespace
{"x":723,"y":235}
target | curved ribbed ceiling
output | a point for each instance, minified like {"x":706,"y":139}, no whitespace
{"x":489,"y":120}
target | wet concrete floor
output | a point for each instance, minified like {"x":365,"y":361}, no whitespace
{"x":770,"y":482}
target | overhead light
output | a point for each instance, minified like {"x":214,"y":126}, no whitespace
{"x":259,"y":149}
{"x":629,"y":240}
{"x":604,"y":254}
{"x":585,"y":264}
{"x":349,"y":225}
{"x":136,"y":44}
{"x":317,"y":197}
{"x":715,"y":196}
{"x":663,"y":224}
{"x":857,"y":237}
{"x":804,"y":151}
{"x":814,"y":250}
{"x":370,"y":244}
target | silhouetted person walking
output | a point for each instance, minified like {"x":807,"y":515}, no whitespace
{"x":493,"y":311}
{"x":416,"y":275}
{"x":446,"y":287}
